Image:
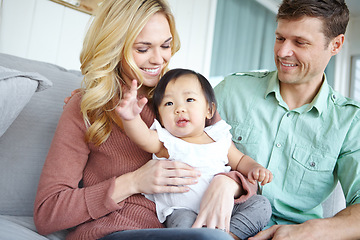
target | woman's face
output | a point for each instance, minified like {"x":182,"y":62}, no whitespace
{"x":151,"y":51}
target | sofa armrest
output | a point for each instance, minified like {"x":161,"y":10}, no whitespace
{"x":14,"y":228}
{"x":335,"y":203}
{"x":25,"y":143}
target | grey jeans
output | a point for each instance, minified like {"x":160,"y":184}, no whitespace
{"x":247,"y":218}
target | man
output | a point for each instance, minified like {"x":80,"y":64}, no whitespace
{"x":293,"y":123}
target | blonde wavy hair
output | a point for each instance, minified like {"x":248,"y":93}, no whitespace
{"x":107,"y":43}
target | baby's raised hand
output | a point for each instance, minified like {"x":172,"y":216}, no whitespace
{"x":261,"y":175}
{"x":129,"y":106}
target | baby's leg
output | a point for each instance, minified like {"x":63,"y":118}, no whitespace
{"x":250,"y":217}
{"x":180,"y":218}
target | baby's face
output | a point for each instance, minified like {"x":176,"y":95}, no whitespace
{"x":184,"y":108}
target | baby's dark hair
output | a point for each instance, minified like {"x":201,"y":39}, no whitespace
{"x":173,"y":74}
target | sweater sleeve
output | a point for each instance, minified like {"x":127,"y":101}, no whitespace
{"x":60,"y":203}
{"x":248,"y":188}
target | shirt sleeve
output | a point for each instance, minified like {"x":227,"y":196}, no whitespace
{"x":59,"y":195}
{"x":348,"y":164}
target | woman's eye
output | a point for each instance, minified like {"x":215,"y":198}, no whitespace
{"x":142,"y":50}
{"x":168,"y":104}
{"x":166,"y":46}
{"x":190,"y":100}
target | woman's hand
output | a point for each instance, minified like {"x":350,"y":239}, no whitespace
{"x":164,"y":176}
{"x":217,"y":204}
{"x":156,"y":176}
{"x":67,"y":99}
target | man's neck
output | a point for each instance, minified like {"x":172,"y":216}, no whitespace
{"x":297,"y":95}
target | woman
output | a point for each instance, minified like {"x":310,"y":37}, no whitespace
{"x":93,"y":175}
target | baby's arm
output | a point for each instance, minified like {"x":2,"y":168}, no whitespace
{"x":248,"y":166}
{"x":129,"y":111}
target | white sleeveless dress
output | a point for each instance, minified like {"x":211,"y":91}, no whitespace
{"x":210,"y":159}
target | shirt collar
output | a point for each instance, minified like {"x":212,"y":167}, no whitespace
{"x":273,"y":85}
{"x":319,"y":103}
{"x":320,"y":100}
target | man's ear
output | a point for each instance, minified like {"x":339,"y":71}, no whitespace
{"x":211,"y":111}
{"x":336,"y":44}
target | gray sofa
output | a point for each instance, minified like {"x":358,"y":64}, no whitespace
{"x":31,"y":101}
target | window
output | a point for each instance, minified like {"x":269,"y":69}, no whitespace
{"x":355,"y":78}
{"x":244,"y":37}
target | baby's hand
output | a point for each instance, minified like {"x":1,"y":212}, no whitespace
{"x":261,"y":175}
{"x":129,"y":106}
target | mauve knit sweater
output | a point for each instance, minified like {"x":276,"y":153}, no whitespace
{"x":60,"y":202}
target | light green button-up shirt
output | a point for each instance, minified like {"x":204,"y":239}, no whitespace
{"x":307,"y":149}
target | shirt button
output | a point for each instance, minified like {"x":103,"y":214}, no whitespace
{"x":312,"y":164}
{"x":288,"y":114}
{"x":239,"y":138}
{"x":278,"y":145}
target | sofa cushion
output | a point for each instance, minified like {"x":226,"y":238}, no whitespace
{"x":15,"y":228}
{"x":24,"y":146}
{"x":16,"y":89}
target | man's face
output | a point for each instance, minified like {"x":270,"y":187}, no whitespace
{"x":301,"y":51}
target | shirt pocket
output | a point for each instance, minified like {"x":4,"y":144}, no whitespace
{"x":310,"y":175}
{"x":246,"y":138}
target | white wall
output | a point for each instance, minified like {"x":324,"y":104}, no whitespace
{"x":195,"y":21}
{"x":354,"y":36}
{"x":46,"y":31}
{"x":343,"y":59}
{"x":42,"y":30}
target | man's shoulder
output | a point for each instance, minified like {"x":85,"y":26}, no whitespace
{"x":255,"y":74}
{"x":349,"y":108}
{"x":244,"y":85}
{"x":249,"y":77}
{"x":246,"y":79}
{"x":243,"y":77}
{"x":343,"y":101}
